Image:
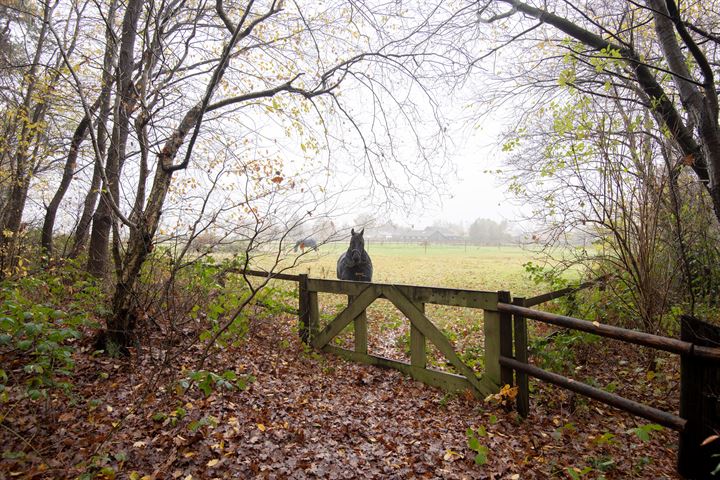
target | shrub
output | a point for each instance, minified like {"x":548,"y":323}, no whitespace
{"x":41,"y":318}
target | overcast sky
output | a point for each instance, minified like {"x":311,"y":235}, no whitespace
{"x":475,"y":192}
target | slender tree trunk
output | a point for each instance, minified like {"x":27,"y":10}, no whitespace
{"x":124,"y":105}
{"x":83,"y":228}
{"x":121,"y":326}
{"x":68,"y":174}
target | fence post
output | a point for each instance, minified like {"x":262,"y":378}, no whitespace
{"x":491,"y":331}
{"x":699,"y":393}
{"x":313,"y":316}
{"x":506,"y":339}
{"x":360,"y":328}
{"x":521,"y":355}
{"x":303,"y":309}
{"x":418,"y":355}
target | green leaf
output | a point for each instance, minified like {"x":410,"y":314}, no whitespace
{"x":481,"y":457}
{"x":573,"y":473}
{"x":474,"y":443}
{"x":35,"y":394}
{"x":206,"y":387}
{"x":7,"y":324}
{"x":32,"y":328}
{"x":159,"y":417}
{"x":643,"y":432}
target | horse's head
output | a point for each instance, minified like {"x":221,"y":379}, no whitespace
{"x":357,"y":246}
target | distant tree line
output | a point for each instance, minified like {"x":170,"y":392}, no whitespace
{"x":489,"y":232}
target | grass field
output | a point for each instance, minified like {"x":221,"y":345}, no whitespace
{"x":455,"y":266}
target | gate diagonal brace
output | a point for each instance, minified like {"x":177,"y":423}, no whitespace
{"x":431,"y":332}
{"x":361,"y":302}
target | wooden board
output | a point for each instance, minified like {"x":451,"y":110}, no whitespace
{"x":447,"y":381}
{"x":491,"y":331}
{"x":699,"y":387}
{"x":521,"y":355}
{"x":417,"y":294}
{"x":418,"y":354}
{"x":314,"y":317}
{"x":506,"y":340}
{"x":360,"y":330}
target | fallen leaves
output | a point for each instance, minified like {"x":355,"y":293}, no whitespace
{"x":316,"y":415}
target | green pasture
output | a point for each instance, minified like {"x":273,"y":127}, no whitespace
{"x":455,"y":266}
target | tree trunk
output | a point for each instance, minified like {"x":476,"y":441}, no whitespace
{"x":121,"y":326}
{"x":11,"y":216}
{"x":68,"y":174}
{"x":11,"y":222}
{"x":83,"y":227}
{"x":124,"y":105}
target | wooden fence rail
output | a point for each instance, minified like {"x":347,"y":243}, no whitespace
{"x":657,"y":342}
{"x":546,"y":297}
{"x":658,"y":416}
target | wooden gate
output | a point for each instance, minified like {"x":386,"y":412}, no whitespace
{"x":410,"y":300}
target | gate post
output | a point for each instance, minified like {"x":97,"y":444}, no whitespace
{"x":699,"y":394}
{"x":521,"y":355}
{"x":304,"y":309}
{"x":506,"y":340}
{"x":491,"y":331}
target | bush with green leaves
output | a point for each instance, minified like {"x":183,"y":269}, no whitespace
{"x":557,"y":352}
{"x":41,"y":318}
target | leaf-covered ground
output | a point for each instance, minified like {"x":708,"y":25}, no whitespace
{"x":307,"y":415}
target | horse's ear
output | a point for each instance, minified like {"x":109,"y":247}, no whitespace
{"x":352,"y":231}
{"x":362,"y":231}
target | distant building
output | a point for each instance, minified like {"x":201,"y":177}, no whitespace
{"x":396,"y":234}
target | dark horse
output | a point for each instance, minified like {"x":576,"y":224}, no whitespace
{"x":305,"y":243}
{"x":355,"y":263}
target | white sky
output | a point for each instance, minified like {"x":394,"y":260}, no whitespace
{"x":475,"y":191}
